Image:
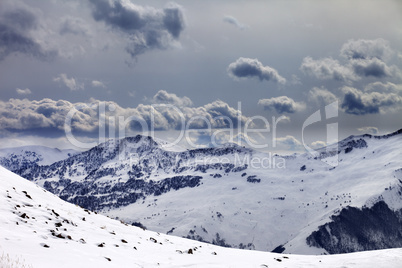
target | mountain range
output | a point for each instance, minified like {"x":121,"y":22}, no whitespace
{"x":238,"y":197}
{"x":20,"y":157}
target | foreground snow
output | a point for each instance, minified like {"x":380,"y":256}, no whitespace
{"x":41,"y":230}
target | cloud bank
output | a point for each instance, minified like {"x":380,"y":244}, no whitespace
{"x":18,"y":115}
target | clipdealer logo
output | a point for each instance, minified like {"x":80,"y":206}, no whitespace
{"x":331,"y":153}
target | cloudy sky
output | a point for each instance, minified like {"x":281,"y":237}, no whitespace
{"x":208,"y":66}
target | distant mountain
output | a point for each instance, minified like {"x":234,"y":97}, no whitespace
{"x":40,"y":230}
{"x":22,"y":157}
{"x":236,"y":197}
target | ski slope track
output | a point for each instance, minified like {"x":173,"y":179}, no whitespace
{"x":38,"y":229}
{"x":218,"y":195}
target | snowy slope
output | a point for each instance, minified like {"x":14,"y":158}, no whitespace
{"x":19,"y":157}
{"x":41,"y":230}
{"x":284,"y":208}
{"x":238,"y":197}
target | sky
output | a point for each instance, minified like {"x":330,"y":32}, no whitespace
{"x":74,"y":73}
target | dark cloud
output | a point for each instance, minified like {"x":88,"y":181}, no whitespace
{"x":366,"y":49}
{"x":327,"y":68}
{"x":371,"y":67}
{"x":249,"y":68}
{"x":361,"y":103}
{"x":116,"y":15}
{"x":173,"y":20}
{"x":16,"y":37}
{"x":235,"y":22}
{"x":282,"y":104}
{"x":21,"y":19}
{"x":364,"y":58}
{"x":147,"y":28}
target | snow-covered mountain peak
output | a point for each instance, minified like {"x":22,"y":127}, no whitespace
{"x":19,"y":157}
{"x":139,"y":141}
{"x":346,"y":145}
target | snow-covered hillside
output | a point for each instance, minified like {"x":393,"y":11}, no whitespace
{"x":237,"y":197}
{"x":21,"y":157}
{"x":41,"y":230}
